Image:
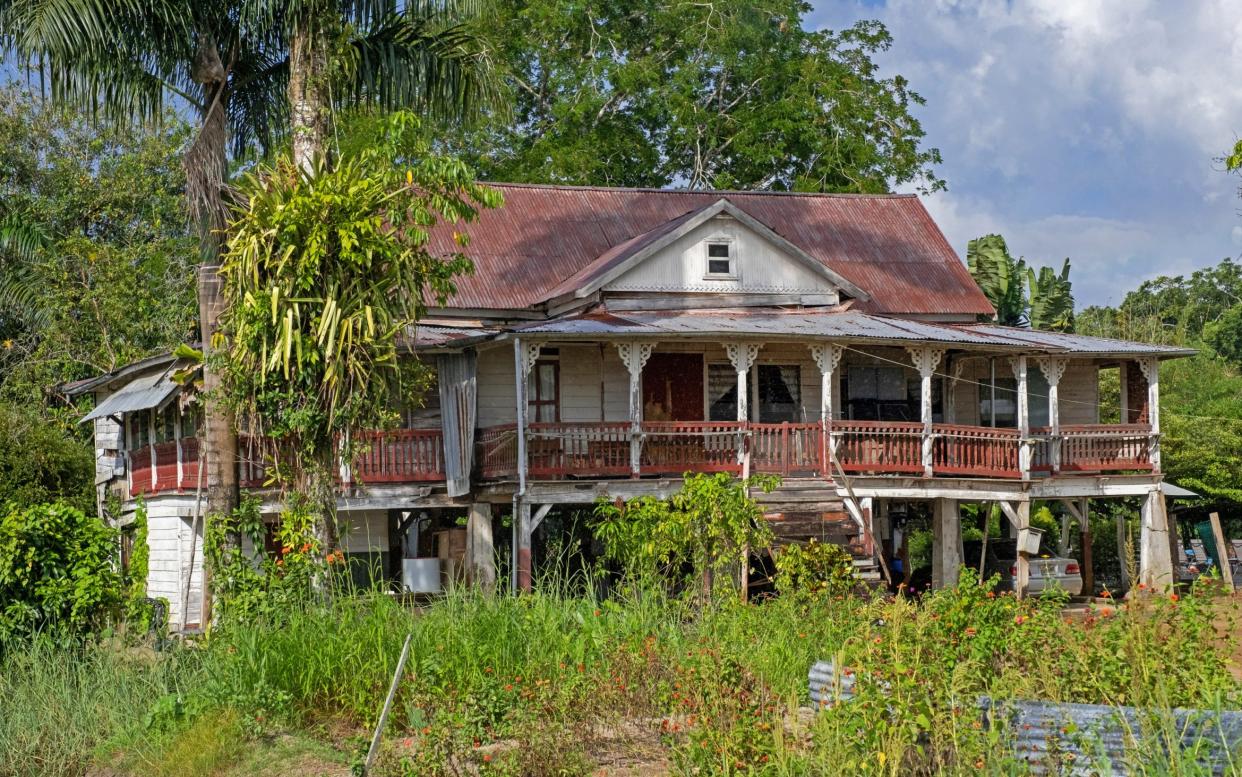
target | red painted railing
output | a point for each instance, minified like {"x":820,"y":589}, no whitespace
{"x":676,"y":447}
{"x":567,"y":449}
{"x":888,"y":447}
{"x":154,"y":469}
{"x":495,"y":451}
{"x":400,"y":456}
{"x":1095,"y":448}
{"x":786,"y":449}
{"x":975,"y":450}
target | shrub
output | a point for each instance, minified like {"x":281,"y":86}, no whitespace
{"x":57,"y":572}
{"x":816,"y":567}
{"x":40,"y":462}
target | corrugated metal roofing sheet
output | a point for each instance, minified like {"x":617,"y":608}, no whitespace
{"x":436,"y":335}
{"x":887,"y":245}
{"x":141,"y":393}
{"x":1073,"y":342}
{"x":829,"y":324}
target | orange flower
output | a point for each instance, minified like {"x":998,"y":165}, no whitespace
{"x":329,"y":558}
{"x":1020,"y":620}
{"x":286,"y":549}
{"x":306,"y":547}
{"x":487,"y":758}
{"x":970,"y":632}
{"x":1105,"y":594}
{"x":1173,"y":597}
{"x":1104,"y":613}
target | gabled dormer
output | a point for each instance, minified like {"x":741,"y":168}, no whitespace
{"x":716,"y":256}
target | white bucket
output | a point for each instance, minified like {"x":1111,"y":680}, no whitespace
{"x":421,"y":575}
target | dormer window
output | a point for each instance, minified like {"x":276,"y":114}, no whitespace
{"x":720,"y":260}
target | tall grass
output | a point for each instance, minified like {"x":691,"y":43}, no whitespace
{"x":543,"y":683}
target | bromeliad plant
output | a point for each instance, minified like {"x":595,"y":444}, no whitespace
{"x":325,"y":275}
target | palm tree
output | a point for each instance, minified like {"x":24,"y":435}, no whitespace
{"x":254,"y":72}
{"x":20,"y":240}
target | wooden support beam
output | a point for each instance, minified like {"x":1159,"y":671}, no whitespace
{"x":1053,"y":368}
{"x":1024,"y":416}
{"x":925,"y":361}
{"x":522,"y":569}
{"x":1222,"y":550}
{"x":480,"y":548}
{"x":634,"y":356}
{"x":742,"y":356}
{"x":827,"y":358}
{"x":539,"y":515}
{"x":1150,"y":367}
{"x":1088,"y":565}
{"x":946,"y":543}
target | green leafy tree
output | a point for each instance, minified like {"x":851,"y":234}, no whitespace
{"x":1224,"y":335}
{"x":325,"y":274}
{"x":40,"y":461}
{"x":115,"y":277}
{"x":254,"y":72}
{"x":1022,"y":297}
{"x":705,"y":528}
{"x":57,"y":574}
{"x":723,"y":95}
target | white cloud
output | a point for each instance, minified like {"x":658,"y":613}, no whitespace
{"x":1080,"y":128}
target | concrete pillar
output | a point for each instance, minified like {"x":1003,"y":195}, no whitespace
{"x":946,"y":543}
{"x":1155,"y":564}
{"x":480,"y":549}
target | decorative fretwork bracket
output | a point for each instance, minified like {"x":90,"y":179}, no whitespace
{"x":742,"y":355}
{"x":925,"y":359}
{"x":827,"y":357}
{"x":634,"y":355}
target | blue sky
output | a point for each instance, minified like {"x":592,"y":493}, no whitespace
{"x":1081,"y":128}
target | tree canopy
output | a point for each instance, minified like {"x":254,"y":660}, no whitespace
{"x":722,"y":95}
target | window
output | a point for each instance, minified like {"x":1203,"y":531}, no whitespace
{"x":1006,"y":406}
{"x":721,"y":392}
{"x":166,"y":424}
{"x":780,"y":393}
{"x":139,"y":429}
{"x":776,"y":393}
{"x":888,"y":393}
{"x":189,"y":421}
{"x":720,"y":260}
{"x":543,"y":391}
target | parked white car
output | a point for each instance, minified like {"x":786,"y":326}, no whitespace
{"x":1048,"y":572}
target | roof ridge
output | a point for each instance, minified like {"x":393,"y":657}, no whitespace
{"x":722,"y":192}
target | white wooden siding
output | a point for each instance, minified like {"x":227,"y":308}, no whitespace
{"x":760,"y":266}
{"x":170,"y":537}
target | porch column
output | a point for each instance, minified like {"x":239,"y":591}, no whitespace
{"x":925,"y":361}
{"x":742,"y":356}
{"x":946,"y":543}
{"x":524,"y":356}
{"x":950,"y":398}
{"x":480,"y":550}
{"x":1024,"y":417}
{"x":634,"y":356}
{"x":1053,"y":368}
{"x":827,"y":358}
{"x":1151,"y":370}
{"x":1019,"y":515}
{"x":1155,"y":558}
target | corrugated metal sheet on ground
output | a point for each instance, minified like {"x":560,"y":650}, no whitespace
{"x":887,"y":245}
{"x":141,"y":393}
{"x":829,"y":324}
{"x":1088,"y":739}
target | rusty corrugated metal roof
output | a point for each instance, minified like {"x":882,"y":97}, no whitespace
{"x":832,"y":324}
{"x":887,"y":245}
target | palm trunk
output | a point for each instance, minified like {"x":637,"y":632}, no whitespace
{"x":206,"y":168}
{"x":309,"y":122}
{"x":309,"y":111}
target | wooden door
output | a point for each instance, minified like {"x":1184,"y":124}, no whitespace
{"x":673,"y":387}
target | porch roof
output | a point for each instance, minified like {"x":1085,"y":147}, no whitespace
{"x":142,"y":393}
{"x":833,"y":324}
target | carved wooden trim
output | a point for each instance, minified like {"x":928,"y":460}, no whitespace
{"x":827,"y":357}
{"x":634,"y":355}
{"x":925,"y":359}
{"x":742,"y":355}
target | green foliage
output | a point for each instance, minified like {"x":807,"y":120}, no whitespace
{"x":1022,"y":297}
{"x":325,"y":274}
{"x":726,"y":95}
{"x":57,"y":575}
{"x":137,"y":613}
{"x":701,"y":529}
{"x":1200,"y":397}
{"x":819,"y":568}
{"x":1224,"y":335}
{"x":545,"y":684}
{"x":115,"y":275}
{"x":41,"y":462}
{"x":1051,"y":299}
